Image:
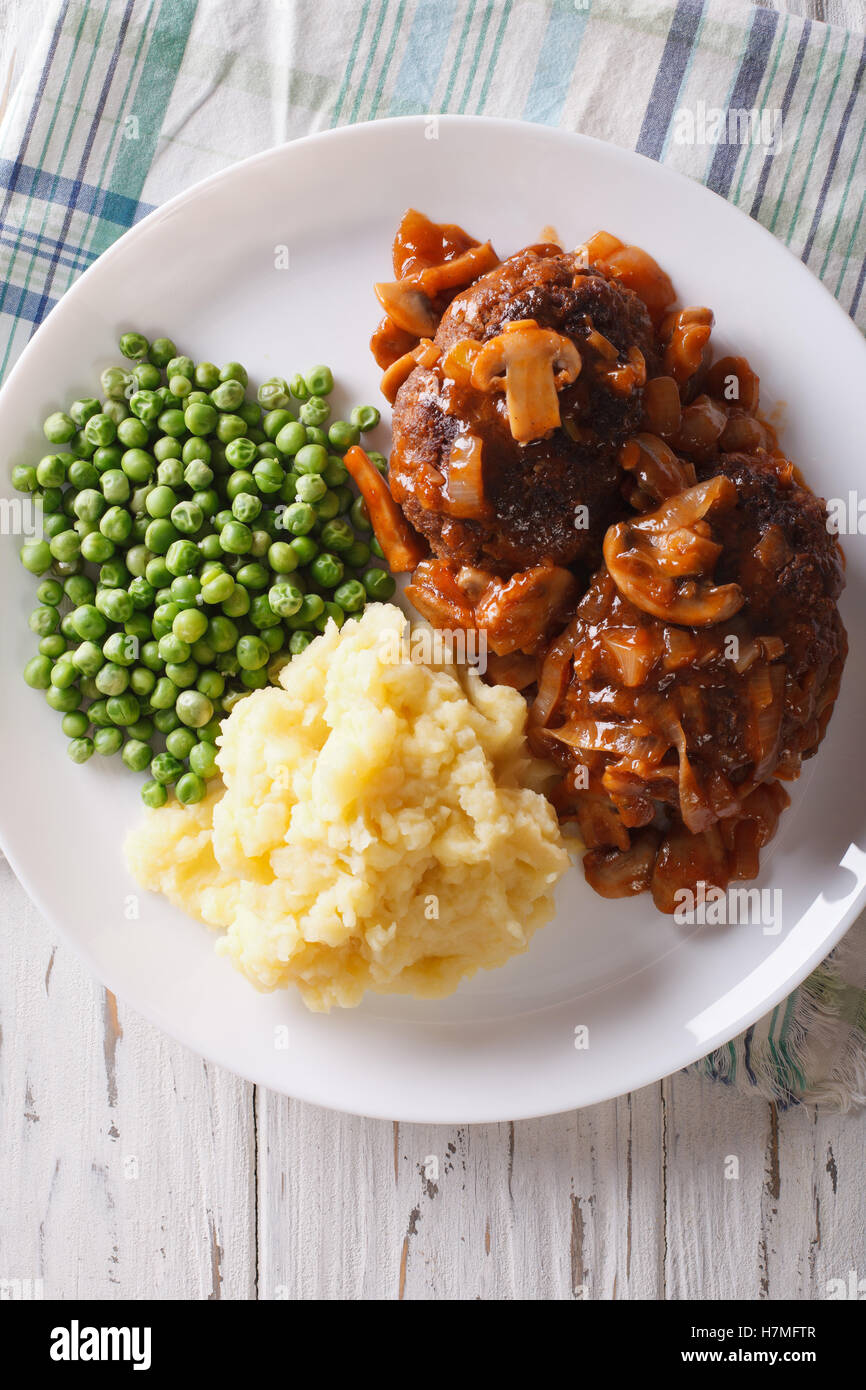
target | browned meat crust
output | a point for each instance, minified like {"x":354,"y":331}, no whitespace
{"x":534,"y":491}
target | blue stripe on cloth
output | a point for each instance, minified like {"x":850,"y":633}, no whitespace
{"x":669,"y":78}
{"x":746,"y":90}
{"x":25,"y":304}
{"x":555,"y":66}
{"x":423,"y":57}
{"x":88,"y":147}
{"x":74,"y":257}
{"x":790,"y":88}
{"x":37,"y":101}
{"x":16,"y":177}
{"x":834,"y":157}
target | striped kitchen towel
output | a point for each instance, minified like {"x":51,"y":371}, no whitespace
{"x":123,"y":103}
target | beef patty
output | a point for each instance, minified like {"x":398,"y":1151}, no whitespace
{"x":553,"y":498}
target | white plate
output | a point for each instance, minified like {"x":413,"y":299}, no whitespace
{"x":654,"y":996}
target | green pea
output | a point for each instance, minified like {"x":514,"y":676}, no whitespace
{"x":327,"y":570}
{"x":236,"y":538}
{"x":154,"y":795}
{"x":100,"y":431}
{"x":165,"y":720}
{"x":299,"y":641}
{"x":314,"y":411}
{"x":273,"y":394}
{"x":51,"y":471}
{"x":142,"y":681}
{"x":304,"y":548}
{"x":365,"y":418}
{"x":179,"y":742}
{"x":193,"y":708}
{"x":202,"y":759}
{"x":156,"y":572}
{"x":291,"y":438}
{"x":138,"y":465}
{"x":136,"y":754}
{"x":116,"y":524}
{"x":299,"y":518}
{"x":116,"y":411}
{"x":312,"y":458}
{"x":252,"y":653}
{"x":112,"y":679}
{"x":146,"y":405}
{"x":282,"y":558}
{"x":120,"y":649}
{"x":379,"y":584}
{"x":107,"y":740}
{"x":80,"y":749}
{"x":63,"y":698}
{"x":88,"y":623}
{"x":351,"y":596}
{"x":133,"y":345}
{"x":183,"y":557}
{"x":187,"y":518}
{"x":97,"y":548}
{"x":164,"y":693}
{"x":246,"y":507}
{"x":45,"y":620}
{"x":88,"y":659}
{"x":37,"y":672}
{"x":190,"y":788}
{"x":54,"y":645}
{"x":24,"y":478}
{"x":123,"y":709}
{"x":75,"y":724}
{"x":311,"y":487}
{"x":298,"y":388}
{"x":173,"y":422}
{"x":133,"y":433}
{"x":228,"y":395}
{"x":114,"y":381}
{"x":230,"y":427}
{"x":222,"y":633}
{"x":285,"y":598}
{"x":343,"y":435}
{"x":180,"y":386}
{"x":207,"y":375}
{"x":198,"y":474}
{"x":189,"y":625}
{"x":199,"y":419}
{"x":165,"y":769}
{"x":59,"y":428}
{"x":218,"y":589}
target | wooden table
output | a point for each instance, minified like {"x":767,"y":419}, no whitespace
{"x":130,"y":1168}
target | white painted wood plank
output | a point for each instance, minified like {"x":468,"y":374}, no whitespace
{"x":127,"y":1167}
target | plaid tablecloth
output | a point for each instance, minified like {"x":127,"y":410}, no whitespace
{"x":124,"y":103}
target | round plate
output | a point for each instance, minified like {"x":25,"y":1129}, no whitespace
{"x":273,"y":262}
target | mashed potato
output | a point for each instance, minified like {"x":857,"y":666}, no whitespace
{"x":377,"y":829}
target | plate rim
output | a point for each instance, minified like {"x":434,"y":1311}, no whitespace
{"x":177,"y":1029}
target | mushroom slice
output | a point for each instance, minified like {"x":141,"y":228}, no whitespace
{"x":530,"y":364}
{"x":662,"y":562}
{"x":459,"y":272}
{"x":425,"y":354}
{"x":408,"y":306}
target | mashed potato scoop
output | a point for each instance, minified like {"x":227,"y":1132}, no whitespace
{"x":380,"y":825}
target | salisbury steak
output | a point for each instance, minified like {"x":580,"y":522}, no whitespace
{"x":532,"y":495}
{"x":674,"y":735}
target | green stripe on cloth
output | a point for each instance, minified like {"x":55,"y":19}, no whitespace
{"x":210,"y":83}
{"x":153,"y":93}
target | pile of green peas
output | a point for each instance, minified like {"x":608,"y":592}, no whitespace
{"x":194,"y":540}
